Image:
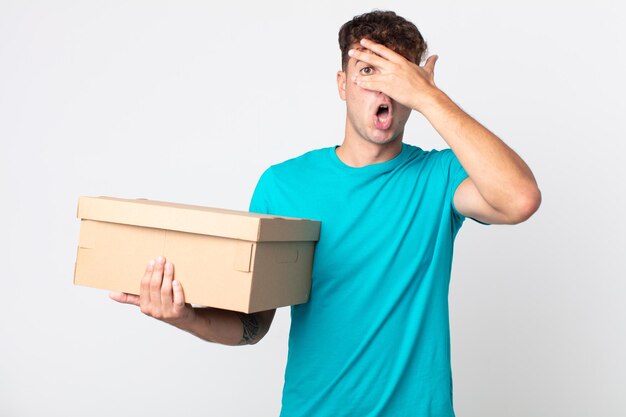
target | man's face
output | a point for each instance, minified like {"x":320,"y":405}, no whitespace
{"x":371,"y":115}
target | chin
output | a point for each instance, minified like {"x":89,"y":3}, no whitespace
{"x":384,"y":140}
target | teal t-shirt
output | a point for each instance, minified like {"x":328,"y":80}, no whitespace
{"x":374,"y":338}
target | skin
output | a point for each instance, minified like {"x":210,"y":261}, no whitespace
{"x":162,"y":297}
{"x":500,"y":189}
{"x":363,"y":143}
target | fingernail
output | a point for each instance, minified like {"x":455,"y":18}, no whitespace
{"x":168,"y":266}
{"x":175,"y":283}
{"x":351,"y":52}
{"x":160,"y":259}
{"x":151,"y":263}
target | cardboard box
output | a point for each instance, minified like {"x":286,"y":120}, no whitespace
{"x":223,"y":258}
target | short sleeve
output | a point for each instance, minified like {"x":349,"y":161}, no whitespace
{"x":260,"y":202}
{"x":455,"y":175}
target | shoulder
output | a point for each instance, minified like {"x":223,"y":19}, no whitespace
{"x":294,"y":169}
{"x":313,"y":156}
{"x":305,"y":162}
{"x":433,"y":155}
{"x":279,"y":183}
{"x":433,"y":159}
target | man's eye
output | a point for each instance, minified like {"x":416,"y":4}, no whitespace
{"x":366,"y":70}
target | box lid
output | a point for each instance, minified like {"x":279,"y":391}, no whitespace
{"x":197,"y":219}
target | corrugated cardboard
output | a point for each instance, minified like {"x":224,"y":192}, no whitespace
{"x":223,"y":258}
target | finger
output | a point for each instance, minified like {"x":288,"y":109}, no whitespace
{"x":381,"y":50}
{"x":122,"y":297}
{"x":156,"y":280}
{"x":144,"y":293}
{"x":166,"y":286}
{"x":179,"y":295}
{"x":367,"y":57}
{"x":371,"y":82}
{"x":429,"y":66}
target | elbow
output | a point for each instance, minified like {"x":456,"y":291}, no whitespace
{"x":256,"y":338}
{"x":262,"y":321}
{"x":527,"y":203}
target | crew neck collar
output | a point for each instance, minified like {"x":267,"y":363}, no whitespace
{"x":374,"y":168}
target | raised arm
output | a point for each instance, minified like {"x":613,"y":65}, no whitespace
{"x":162,"y":297}
{"x":501,"y":187}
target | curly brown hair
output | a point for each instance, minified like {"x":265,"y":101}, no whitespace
{"x":384,"y":27}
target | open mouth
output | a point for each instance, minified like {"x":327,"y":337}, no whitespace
{"x":382,"y":118}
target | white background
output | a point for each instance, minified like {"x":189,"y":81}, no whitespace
{"x":190,"y":101}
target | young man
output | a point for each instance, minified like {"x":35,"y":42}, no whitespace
{"x":374,"y":338}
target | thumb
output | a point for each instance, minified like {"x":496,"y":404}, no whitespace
{"x":429,"y":66}
{"x":122,"y":297}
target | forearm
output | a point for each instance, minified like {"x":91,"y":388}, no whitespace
{"x":501,"y":176}
{"x":227,"y":327}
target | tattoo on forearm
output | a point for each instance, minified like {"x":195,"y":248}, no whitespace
{"x":250,"y":328}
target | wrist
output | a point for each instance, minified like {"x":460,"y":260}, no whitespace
{"x":435,"y":100}
{"x":186,"y":321}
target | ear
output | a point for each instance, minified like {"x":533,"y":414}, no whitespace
{"x":341,"y":84}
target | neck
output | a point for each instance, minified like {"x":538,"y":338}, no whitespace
{"x":360,"y":153}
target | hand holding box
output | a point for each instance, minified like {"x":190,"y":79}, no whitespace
{"x":225,"y":259}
